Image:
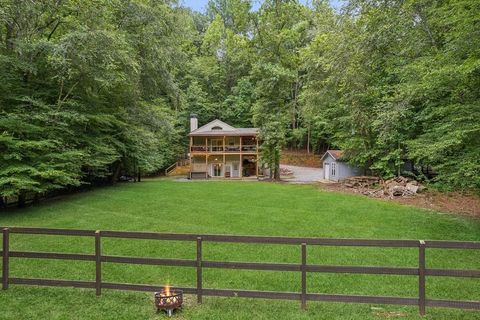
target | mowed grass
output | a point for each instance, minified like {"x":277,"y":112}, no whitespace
{"x":240,"y":208}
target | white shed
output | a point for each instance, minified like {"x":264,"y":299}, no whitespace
{"x":335,"y":169}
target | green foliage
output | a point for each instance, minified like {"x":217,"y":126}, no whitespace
{"x":399,"y":80}
{"x":89,"y":89}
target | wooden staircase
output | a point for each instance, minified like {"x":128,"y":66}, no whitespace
{"x":179,"y":168}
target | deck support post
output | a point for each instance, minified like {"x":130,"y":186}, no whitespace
{"x":241,"y":157}
{"x":206,"y":166}
{"x":256,"y":150}
{"x":190,"y":150}
{"x":206,"y":158}
{"x":224,"y":164}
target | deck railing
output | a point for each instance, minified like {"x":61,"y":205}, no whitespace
{"x":198,"y":148}
{"x":228,"y":148}
{"x":249,"y":148}
{"x":421,"y":271}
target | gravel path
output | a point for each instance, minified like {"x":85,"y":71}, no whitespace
{"x":303,"y":174}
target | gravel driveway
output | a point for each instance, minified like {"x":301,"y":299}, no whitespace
{"x":303,"y":174}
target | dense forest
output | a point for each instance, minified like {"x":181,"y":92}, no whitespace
{"x":92,"y":89}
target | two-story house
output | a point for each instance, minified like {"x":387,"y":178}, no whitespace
{"x":218,"y":150}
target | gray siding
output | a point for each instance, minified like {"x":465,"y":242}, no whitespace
{"x":339,"y":170}
{"x":346,"y":170}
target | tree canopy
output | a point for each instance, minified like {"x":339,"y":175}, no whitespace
{"x":92,"y":88}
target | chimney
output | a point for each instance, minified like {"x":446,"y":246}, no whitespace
{"x":193,"y":122}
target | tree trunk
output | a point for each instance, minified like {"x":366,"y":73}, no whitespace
{"x":117,"y":166}
{"x":134,"y":173}
{"x":277,"y":166}
{"x":271,"y":171}
{"x":36,"y":198}
{"x":21,"y":200}
{"x":139,"y":175}
{"x":308,"y":140}
{"x":277,"y":172}
{"x":399,"y":161}
{"x":3,"y":202}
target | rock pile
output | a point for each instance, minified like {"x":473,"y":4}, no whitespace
{"x":402,"y":186}
{"x":375,"y":187}
{"x":361,"y":181}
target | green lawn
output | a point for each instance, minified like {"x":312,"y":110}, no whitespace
{"x":249,"y":208}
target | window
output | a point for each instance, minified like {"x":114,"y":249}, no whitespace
{"x":334,"y":169}
{"x":217,"y":128}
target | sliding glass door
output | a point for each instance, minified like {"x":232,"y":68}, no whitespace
{"x":217,"y":170}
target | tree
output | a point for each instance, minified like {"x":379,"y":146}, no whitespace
{"x":87,"y":89}
{"x":280,"y":32}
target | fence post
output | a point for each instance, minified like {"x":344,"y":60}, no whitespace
{"x":304,"y":276}
{"x":98,"y":263}
{"x":5,"y":266}
{"x":421,"y":277}
{"x":199,"y":269}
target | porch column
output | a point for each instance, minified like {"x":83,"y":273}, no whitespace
{"x":241,"y":159}
{"x":190,"y":157}
{"x":206,"y":157}
{"x":256,"y":150}
{"x":224,"y":156}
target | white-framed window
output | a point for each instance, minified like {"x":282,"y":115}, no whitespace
{"x":333,"y":169}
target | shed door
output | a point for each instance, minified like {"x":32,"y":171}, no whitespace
{"x":326,"y":170}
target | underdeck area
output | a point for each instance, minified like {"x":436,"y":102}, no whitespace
{"x":224,"y":166}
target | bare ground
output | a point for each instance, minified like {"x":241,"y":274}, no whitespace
{"x":300,"y":158}
{"x":452,"y":202}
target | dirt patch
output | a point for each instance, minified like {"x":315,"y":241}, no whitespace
{"x":452,"y":202}
{"x":301,"y":159}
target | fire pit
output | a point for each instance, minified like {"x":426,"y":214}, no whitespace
{"x":168,"y":299}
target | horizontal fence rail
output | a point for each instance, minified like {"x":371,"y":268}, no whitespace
{"x":199,"y":263}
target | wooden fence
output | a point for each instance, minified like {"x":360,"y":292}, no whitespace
{"x":303,"y":267}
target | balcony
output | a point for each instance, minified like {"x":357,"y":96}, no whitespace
{"x":198,"y":149}
{"x":249,"y":148}
{"x":228,"y":149}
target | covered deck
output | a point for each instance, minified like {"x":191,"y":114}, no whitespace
{"x":225,"y":144}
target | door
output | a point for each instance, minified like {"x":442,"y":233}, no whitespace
{"x":217,"y":170}
{"x":326,"y":171}
{"x":235,"y":169}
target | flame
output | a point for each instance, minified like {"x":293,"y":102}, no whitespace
{"x":166,"y":290}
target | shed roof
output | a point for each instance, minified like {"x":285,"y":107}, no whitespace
{"x":335,"y":154}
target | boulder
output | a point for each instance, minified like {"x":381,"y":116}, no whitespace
{"x":397,"y":191}
{"x":413,"y":188}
